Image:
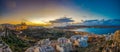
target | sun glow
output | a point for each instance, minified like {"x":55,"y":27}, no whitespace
{"x":38,"y":22}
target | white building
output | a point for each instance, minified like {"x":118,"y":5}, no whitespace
{"x":83,"y":41}
{"x":64,"y":45}
{"x":79,"y":40}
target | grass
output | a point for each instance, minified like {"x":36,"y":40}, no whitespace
{"x":16,"y":44}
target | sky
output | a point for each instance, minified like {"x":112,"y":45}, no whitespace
{"x":39,"y":11}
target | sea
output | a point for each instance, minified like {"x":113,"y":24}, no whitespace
{"x":98,"y":30}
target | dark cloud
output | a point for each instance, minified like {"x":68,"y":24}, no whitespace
{"x":62,"y":20}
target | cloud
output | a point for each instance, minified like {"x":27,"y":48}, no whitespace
{"x":62,"y":20}
{"x":102,"y":22}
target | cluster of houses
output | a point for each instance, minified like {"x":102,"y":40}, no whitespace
{"x":19,"y":27}
{"x":60,"y":45}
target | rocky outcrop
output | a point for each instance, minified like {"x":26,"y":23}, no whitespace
{"x":116,"y":36}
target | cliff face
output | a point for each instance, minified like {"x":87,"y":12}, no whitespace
{"x":116,"y":36}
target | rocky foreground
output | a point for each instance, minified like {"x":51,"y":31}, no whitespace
{"x":29,"y":39}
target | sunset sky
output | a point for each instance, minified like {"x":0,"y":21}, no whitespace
{"x":39,"y":11}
